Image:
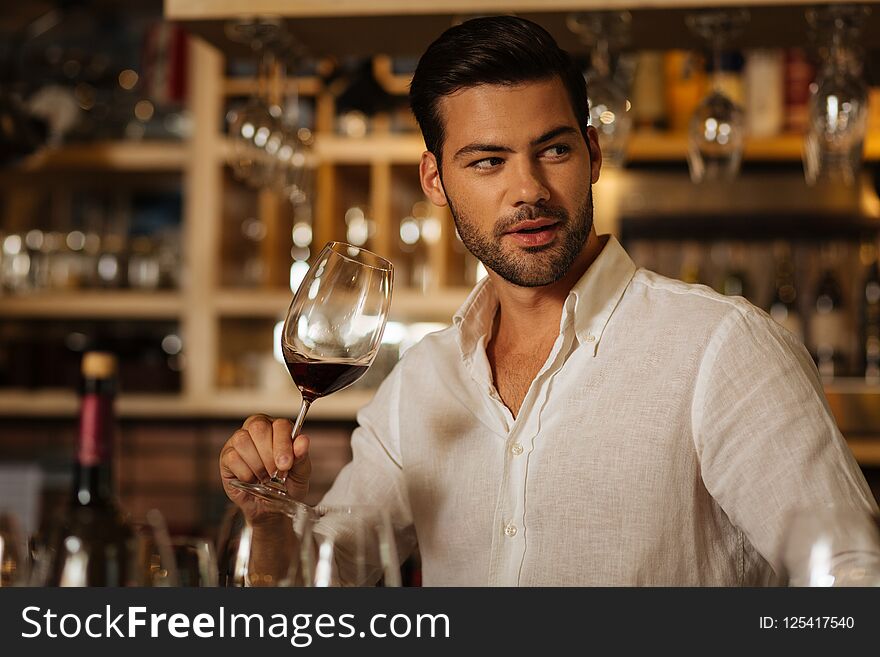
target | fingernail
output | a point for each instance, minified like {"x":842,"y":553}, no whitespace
{"x":283,"y":461}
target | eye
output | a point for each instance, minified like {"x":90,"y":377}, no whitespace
{"x":486,"y":163}
{"x":557,"y":151}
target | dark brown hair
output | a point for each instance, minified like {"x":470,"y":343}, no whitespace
{"x":503,"y":50}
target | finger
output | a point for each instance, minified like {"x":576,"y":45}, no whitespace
{"x":300,"y":446}
{"x":282,"y":445}
{"x":259,"y":420}
{"x":232,"y":466}
{"x":260,"y":429}
{"x":302,"y":464}
{"x":263,"y":440}
{"x":243,"y":443}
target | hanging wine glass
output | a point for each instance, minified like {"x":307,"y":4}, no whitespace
{"x":838,"y":107}
{"x":716,"y":134}
{"x":606,"y":95}
{"x":255,"y":129}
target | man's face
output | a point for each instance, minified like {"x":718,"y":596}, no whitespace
{"x":517,"y":178}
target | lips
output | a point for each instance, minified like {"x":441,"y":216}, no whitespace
{"x":534,"y":232}
{"x":532,"y":226}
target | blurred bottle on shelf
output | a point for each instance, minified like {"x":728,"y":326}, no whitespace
{"x":764,"y":81}
{"x":799,"y":74}
{"x":92,"y":546}
{"x":734,"y":280}
{"x":648,"y":94}
{"x":784,"y":307}
{"x":691,"y":259}
{"x":685,"y":77}
{"x":869,"y":338}
{"x":829,"y":334}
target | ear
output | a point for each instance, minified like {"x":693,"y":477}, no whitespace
{"x":429,"y":175}
{"x":595,"y":153}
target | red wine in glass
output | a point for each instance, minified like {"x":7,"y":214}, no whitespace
{"x":316,"y":378}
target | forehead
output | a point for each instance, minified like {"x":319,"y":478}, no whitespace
{"x":505,"y":114}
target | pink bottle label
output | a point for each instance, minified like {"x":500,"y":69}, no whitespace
{"x":95,"y":430}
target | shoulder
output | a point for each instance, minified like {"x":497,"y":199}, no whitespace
{"x":699,"y":306}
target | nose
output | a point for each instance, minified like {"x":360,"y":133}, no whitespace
{"x":528,"y":186}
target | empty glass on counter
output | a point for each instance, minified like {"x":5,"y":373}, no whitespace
{"x":831,"y":547}
{"x":354,"y":546}
{"x":14,"y":557}
{"x":239,"y":565}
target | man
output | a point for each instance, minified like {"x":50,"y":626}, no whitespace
{"x":583,"y":422}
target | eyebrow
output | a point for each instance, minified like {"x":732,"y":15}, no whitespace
{"x":478,"y":147}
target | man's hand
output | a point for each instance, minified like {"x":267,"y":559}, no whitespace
{"x":256,"y":451}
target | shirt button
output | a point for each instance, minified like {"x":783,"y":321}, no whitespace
{"x":516,"y":449}
{"x":510,"y":530}
{"x":591,"y":337}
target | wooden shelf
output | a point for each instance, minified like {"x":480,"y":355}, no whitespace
{"x":94,"y":305}
{"x":647,"y":146}
{"x":402,"y":27}
{"x":643,"y":147}
{"x":406,"y":304}
{"x":116,"y":156}
{"x":342,"y":406}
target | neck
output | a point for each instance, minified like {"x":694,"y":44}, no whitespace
{"x":525,"y":313}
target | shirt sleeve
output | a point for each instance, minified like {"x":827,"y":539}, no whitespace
{"x":374,"y":477}
{"x":764,"y":434}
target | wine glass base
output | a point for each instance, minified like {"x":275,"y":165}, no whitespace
{"x":275,"y":496}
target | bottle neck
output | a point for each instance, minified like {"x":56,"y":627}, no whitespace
{"x":93,"y":476}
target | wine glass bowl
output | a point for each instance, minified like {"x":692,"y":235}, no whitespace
{"x":338,"y":314}
{"x":363,"y":536}
{"x":331,"y":335}
{"x":716,"y":139}
{"x":716,"y":135}
{"x":838,"y":108}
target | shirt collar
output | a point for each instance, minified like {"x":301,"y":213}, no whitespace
{"x":599,"y":291}
{"x":591,"y":301}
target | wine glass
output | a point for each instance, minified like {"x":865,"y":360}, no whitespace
{"x":256,"y":130}
{"x":14,"y":560}
{"x":332,"y":333}
{"x":236,"y":566}
{"x":838,"y":106}
{"x":831,"y":547}
{"x":608,"y":103}
{"x":716,"y":135}
{"x":353,"y":546}
{"x":195,"y":561}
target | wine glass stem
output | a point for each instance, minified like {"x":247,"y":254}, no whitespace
{"x":281,"y":477}
{"x":297,"y":426}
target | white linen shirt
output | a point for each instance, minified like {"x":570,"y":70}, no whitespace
{"x":662,"y":442}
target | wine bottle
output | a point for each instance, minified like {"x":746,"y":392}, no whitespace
{"x":92,"y":546}
{"x":828,"y":331}
{"x":783,"y":308}
{"x":735,"y":281}
{"x":690,"y":271}
{"x":870,"y":315}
